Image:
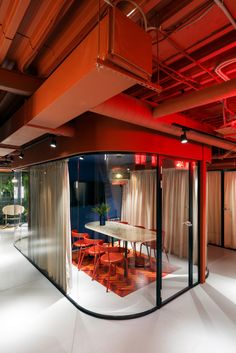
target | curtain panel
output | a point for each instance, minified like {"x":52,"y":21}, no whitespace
{"x":139,"y":199}
{"x":50,"y":230}
{"x":139,"y":206}
{"x":230,"y":210}
{"x":214,"y":207}
{"x":175,"y":196}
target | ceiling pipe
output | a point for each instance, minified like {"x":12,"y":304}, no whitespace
{"x":226,"y":12}
{"x":228,"y":155}
{"x":223,"y":165}
{"x":82,"y":21}
{"x":47,"y":17}
{"x":131,"y":110}
{"x":196,"y":99}
{"x":14,"y":13}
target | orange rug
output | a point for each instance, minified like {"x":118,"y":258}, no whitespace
{"x":137,"y":278}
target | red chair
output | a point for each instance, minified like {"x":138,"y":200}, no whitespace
{"x":90,"y":247}
{"x":152,"y":245}
{"x":110,"y":256}
{"x":76,"y":235}
{"x":80,"y":244}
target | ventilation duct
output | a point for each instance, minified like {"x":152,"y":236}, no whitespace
{"x":107,"y":62}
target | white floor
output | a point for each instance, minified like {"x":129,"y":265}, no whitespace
{"x":36,"y":318}
{"x":92,"y":295}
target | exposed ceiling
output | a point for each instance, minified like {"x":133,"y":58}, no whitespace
{"x":193,"y":47}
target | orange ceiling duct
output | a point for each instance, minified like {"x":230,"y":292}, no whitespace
{"x":107,"y":62}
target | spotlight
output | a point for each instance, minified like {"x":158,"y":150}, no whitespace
{"x":21,"y":155}
{"x":81,"y":158}
{"x":183,"y":137}
{"x":53,"y":143}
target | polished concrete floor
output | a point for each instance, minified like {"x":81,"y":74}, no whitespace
{"x":35,"y":317}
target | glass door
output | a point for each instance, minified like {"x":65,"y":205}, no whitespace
{"x":179,"y":188}
{"x":229,"y":210}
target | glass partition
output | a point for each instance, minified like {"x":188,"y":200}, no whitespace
{"x":6,"y":195}
{"x":93,"y":229}
{"x":21,"y":207}
{"x":214,"y":207}
{"x":195,"y":229}
{"x":229,"y":209}
{"x":113,"y":217}
{"x":175,"y":227}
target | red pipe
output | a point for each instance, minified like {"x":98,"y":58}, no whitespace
{"x":196,"y":99}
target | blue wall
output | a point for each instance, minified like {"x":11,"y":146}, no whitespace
{"x":90,"y":185}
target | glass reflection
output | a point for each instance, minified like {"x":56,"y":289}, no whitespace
{"x":113,"y":217}
{"x":21,"y":204}
{"x":93,"y":228}
{"x":175,"y":226}
{"x":195,"y":224}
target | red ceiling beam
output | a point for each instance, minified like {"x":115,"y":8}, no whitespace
{"x":18,"y":83}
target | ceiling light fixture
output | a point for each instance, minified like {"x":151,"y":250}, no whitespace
{"x":14,"y":180}
{"x":183,"y":137}
{"x":118,"y":176}
{"x":21,"y":155}
{"x":53,"y":142}
{"x":81,"y":158}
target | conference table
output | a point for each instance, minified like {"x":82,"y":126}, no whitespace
{"x":124,"y":232}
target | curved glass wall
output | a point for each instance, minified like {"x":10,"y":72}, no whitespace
{"x":94,"y":224}
{"x":113,"y":204}
{"x":21,"y":209}
{"x":179,"y":226}
{"x":6,"y":194}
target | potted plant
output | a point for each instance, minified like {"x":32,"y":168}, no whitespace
{"x":102,"y":210}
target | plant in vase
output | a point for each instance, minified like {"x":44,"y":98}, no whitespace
{"x":102,"y":210}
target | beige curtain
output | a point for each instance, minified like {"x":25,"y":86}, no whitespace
{"x":175,"y":210}
{"x":50,"y":231}
{"x":139,"y":199}
{"x":230,"y":210}
{"x":139,"y":206}
{"x":214,"y":207}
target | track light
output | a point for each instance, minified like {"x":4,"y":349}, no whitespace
{"x":21,"y":155}
{"x":183,"y":137}
{"x":53,"y":142}
{"x":81,"y":158}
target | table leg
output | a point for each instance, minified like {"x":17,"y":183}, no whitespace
{"x":126,"y":255}
{"x":138,"y":259}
